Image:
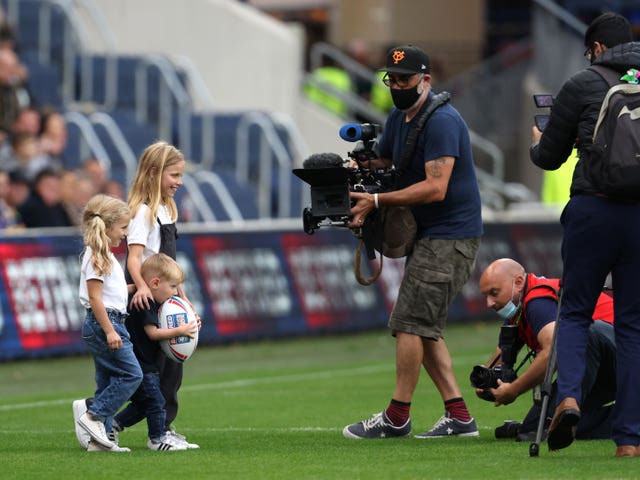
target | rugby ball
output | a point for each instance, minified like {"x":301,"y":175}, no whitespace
{"x":171,"y":314}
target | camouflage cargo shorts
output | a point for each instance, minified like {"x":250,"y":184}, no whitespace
{"x":436,"y":270}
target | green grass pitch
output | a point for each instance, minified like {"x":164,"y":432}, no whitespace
{"x":275,"y":410}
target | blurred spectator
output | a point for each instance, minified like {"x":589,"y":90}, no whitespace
{"x":28,"y":120}
{"x":53,"y":135}
{"x":380,"y":96}
{"x":26,"y":155}
{"x":94,"y":169}
{"x":18,"y":193}
{"x":9,"y":101}
{"x":5,"y":148}
{"x":43,"y":207}
{"x":76,"y":188}
{"x":557,"y":183}
{"x":326,"y":86}
{"x":9,"y":218}
{"x":7,"y":36}
{"x":115,"y":189}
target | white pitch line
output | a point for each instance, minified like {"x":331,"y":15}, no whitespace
{"x":247,"y":382}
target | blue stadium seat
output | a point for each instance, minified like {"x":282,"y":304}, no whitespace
{"x":43,"y":83}
{"x":28,"y":31}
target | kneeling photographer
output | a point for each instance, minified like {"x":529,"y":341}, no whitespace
{"x":529,"y":304}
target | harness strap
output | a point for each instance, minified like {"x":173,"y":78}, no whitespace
{"x":356,"y":267}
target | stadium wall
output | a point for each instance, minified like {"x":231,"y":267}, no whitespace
{"x":263,"y":281}
{"x":248,"y":60}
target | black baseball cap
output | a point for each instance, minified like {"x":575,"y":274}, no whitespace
{"x":407,"y":59}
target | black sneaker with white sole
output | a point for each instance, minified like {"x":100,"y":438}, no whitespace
{"x":378,"y":426}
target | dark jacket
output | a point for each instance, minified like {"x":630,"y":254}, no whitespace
{"x":575,"y":112}
{"x":35,"y":213}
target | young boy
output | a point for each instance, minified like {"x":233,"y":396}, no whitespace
{"x":163,"y":275}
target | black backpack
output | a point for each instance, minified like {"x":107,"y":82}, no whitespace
{"x":612,"y":163}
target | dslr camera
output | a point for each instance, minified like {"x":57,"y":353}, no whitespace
{"x":487,"y":377}
{"x":331,"y":178}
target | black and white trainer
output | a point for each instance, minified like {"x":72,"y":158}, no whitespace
{"x":451,"y":427}
{"x":167,"y":444}
{"x":378,"y":426}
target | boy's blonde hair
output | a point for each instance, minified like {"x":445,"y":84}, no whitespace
{"x":146,"y":186}
{"x":163,"y":267}
{"x":101,"y":213}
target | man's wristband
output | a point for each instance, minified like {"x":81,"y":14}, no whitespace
{"x":375,"y":200}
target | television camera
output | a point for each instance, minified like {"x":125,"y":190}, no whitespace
{"x":332,"y":178}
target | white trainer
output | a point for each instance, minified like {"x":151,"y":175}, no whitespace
{"x":181,"y":438}
{"x":79,"y":408}
{"x":96,"y":429}
{"x":168,"y":443}
{"x":96,"y":447}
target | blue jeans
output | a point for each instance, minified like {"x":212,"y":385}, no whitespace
{"x":602,"y":236}
{"x":147,"y":401}
{"x":118,"y":372}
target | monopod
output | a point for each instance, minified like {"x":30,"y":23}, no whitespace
{"x":534,"y":448}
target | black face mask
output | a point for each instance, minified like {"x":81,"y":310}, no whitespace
{"x":405,"y":99}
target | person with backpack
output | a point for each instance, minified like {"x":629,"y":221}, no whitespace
{"x":601,"y":224}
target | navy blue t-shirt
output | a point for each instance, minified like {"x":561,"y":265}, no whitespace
{"x":445,"y":134}
{"x":145,"y":349}
{"x":540,"y":312}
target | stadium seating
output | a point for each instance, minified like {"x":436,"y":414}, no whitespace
{"x":118,"y":120}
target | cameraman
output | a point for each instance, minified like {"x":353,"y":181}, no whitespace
{"x":601,"y":235}
{"x":531,"y":303}
{"x":441,"y":187}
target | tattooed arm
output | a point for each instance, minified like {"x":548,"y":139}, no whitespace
{"x":432,"y":189}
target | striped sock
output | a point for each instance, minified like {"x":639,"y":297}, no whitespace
{"x":398,"y":412}
{"x":456,"y":408}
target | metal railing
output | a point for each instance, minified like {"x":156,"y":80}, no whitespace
{"x":223,"y":194}
{"x":298,"y":148}
{"x":170,"y":89}
{"x":271,"y":146}
{"x":90,"y":144}
{"x":119,"y":142}
{"x":198,"y":199}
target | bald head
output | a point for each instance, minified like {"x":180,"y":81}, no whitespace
{"x":501,"y":281}
{"x":503,"y":267}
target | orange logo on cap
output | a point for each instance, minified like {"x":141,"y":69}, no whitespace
{"x":398,"y":56}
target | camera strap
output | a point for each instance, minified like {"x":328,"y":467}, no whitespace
{"x":435,"y":102}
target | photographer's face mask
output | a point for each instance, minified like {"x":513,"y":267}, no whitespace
{"x":510,"y":309}
{"x":404,"y":99}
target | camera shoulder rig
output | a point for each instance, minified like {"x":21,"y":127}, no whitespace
{"x":372,"y":233}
